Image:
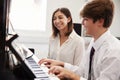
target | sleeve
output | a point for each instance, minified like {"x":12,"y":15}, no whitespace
{"x":81,"y":78}
{"x":80,"y":50}
{"x":111,"y":72}
{"x":48,"y":51}
{"x":110,"y":69}
{"x":49,"y":48}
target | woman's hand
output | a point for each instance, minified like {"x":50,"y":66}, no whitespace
{"x":50,"y":62}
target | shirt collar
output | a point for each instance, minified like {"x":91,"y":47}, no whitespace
{"x":100,"y":40}
{"x":71,"y":36}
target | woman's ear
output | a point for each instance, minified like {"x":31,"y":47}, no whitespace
{"x":69,"y":19}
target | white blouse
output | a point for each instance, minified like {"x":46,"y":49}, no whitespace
{"x":70,"y":51}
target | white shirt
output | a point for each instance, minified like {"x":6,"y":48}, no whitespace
{"x":70,"y":51}
{"x":106,"y":61}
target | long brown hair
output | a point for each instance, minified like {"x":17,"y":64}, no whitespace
{"x":67,"y":13}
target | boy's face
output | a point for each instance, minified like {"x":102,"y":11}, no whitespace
{"x":90,"y":26}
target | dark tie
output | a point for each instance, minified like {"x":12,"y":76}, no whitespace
{"x":90,"y":62}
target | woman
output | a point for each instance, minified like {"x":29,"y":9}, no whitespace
{"x":65,"y":47}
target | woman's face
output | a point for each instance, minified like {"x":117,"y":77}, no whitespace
{"x":60,"y":21}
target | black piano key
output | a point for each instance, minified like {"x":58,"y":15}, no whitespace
{"x":38,"y":72}
{"x":41,"y":72}
{"x":42,"y":76}
{"x":41,"y":79}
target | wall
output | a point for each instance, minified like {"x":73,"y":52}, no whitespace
{"x":73,"y":5}
{"x":115,"y":29}
{"x":40,"y":44}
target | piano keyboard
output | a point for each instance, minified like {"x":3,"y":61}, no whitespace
{"x":40,"y":72}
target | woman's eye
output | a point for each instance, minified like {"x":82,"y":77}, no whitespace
{"x":54,"y":18}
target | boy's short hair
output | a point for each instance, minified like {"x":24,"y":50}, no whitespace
{"x":99,"y":9}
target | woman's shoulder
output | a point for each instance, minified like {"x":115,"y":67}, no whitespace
{"x":52,"y":38}
{"x":76,"y":38}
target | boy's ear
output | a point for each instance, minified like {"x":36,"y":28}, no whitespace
{"x":101,"y":22}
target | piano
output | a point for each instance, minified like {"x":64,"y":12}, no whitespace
{"x":27,"y":67}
